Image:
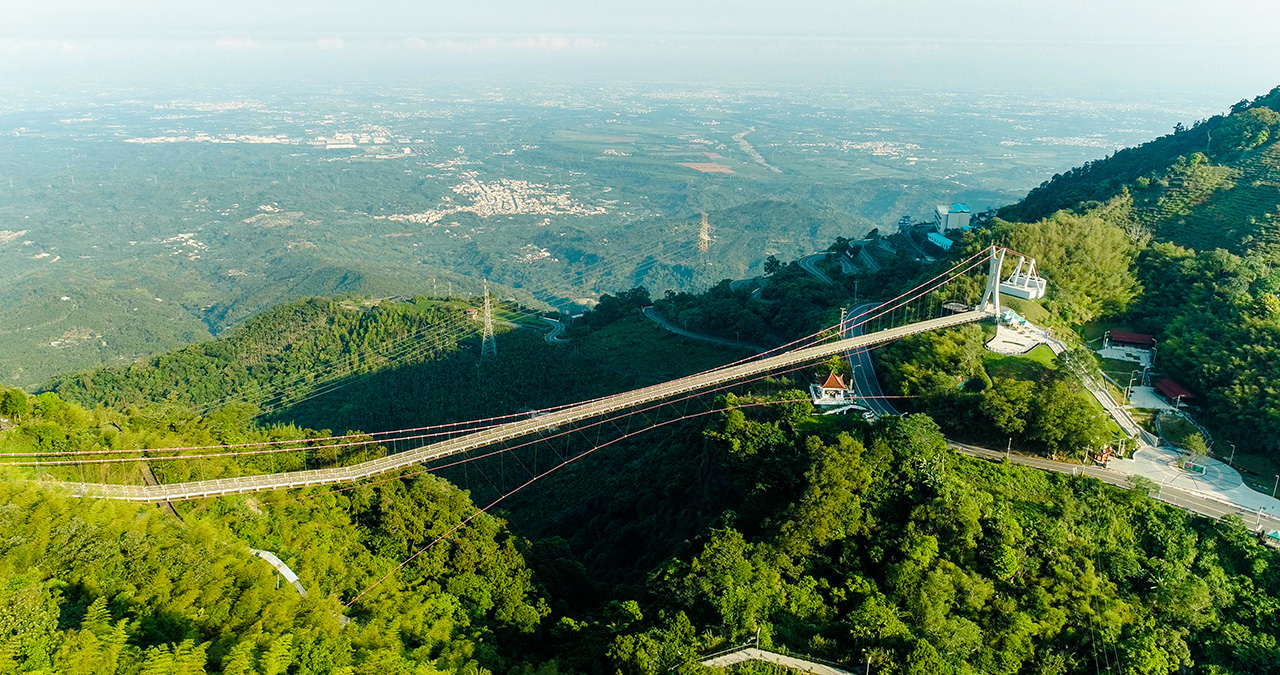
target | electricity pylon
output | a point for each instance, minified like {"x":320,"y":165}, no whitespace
{"x":704,"y":235}
{"x":488,"y":344}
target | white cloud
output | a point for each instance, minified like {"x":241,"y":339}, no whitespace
{"x":330,"y":43}
{"x":236,"y":43}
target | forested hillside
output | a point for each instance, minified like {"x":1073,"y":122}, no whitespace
{"x":825,"y":535}
{"x":884,"y":547}
{"x":101,"y":587}
{"x":1180,"y":238}
{"x":1239,"y":142}
{"x":865,"y":543}
{"x":281,"y":356}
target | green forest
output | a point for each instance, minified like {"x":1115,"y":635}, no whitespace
{"x":737,"y":517}
{"x":1176,"y":238}
{"x":828,"y":537}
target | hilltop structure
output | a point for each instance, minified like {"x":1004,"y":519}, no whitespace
{"x":954,"y":217}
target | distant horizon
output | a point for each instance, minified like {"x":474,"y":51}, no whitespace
{"x":1091,"y":46}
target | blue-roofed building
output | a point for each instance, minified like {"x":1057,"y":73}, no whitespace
{"x":954,"y":217}
{"x":941,"y":241}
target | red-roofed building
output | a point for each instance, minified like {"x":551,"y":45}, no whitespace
{"x":832,"y":391}
{"x":1173,"y":391}
{"x":1127,"y":338}
{"x":834,"y":382}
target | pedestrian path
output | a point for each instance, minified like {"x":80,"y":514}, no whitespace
{"x":282,"y":568}
{"x":1159,"y":463}
{"x":1163,"y":465}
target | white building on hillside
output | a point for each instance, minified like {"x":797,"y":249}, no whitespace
{"x":951,"y":217}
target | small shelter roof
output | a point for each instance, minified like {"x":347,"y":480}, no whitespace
{"x":1132,"y":338}
{"x":834,"y":382}
{"x":1172,"y":389}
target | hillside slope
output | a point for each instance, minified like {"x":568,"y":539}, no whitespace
{"x":280,"y":356}
{"x":1185,"y":230}
{"x":1224,"y":138}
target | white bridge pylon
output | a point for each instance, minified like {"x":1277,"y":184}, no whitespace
{"x":1024,"y":282}
{"x":466,"y":442}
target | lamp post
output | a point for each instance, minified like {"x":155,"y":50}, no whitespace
{"x":1233,"y":454}
{"x":1273,"y":487}
{"x":1128,"y":391}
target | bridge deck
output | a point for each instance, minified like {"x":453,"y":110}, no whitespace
{"x":510,"y":430}
{"x":754,"y":654}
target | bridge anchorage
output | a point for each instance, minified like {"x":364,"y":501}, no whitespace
{"x":918,"y":310}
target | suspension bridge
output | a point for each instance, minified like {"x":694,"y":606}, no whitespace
{"x":908,"y":308}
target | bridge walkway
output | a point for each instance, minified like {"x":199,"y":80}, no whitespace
{"x":510,"y":430}
{"x":756,"y":654}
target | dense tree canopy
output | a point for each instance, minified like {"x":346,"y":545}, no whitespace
{"x":1086,"y":258}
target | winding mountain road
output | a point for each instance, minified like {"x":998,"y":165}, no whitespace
{"x":808,"y":263}
{"x":557,"y":329}
{"x":652,"y":314}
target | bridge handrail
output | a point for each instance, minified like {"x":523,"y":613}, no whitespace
{"x":510,"y":430}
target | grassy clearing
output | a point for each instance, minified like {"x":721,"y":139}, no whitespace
{"x":1115,"y":366}
{"x":1027,"y":308}
{"x":1031,"y":366}
{"x":1176,"y":430}
{"x":1145,"y":419}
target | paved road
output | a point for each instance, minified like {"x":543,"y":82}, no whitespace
{"x":1214,"y":498}
{"x":807,"y":263}
{"x":864,"y":380}
{"x":652,"y":314}
{"x":511,"y":430}
{"x":911,"y":240}
{"x":557,"y":329}
{"x":1183,"y":499}
{"x":865,"y":257}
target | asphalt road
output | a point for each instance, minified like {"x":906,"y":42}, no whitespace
{"x":865,"y":257}
{"x":651,"y":314}
{"x":911,"y":240}
{"x":864,"y":380}
{"x":865,"y":383}
{"x":807,"y":263}
{"x":557,"y":329}
{"x":1188,"y":501}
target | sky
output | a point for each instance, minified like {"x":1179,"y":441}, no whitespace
{"x":1226,"y":47}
